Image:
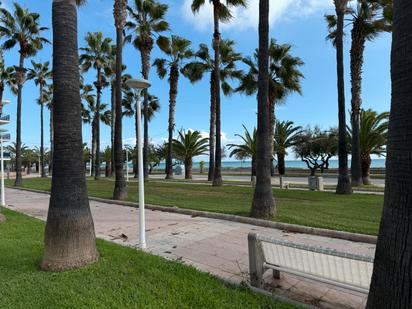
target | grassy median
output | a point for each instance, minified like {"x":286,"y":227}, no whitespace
{"x":358,"y":213}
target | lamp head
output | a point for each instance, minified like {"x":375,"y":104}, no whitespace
{"x":138,"y":84}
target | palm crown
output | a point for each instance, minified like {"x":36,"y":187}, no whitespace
{"x":286,"y":136}
{"x":190,"y":144}
{"x":147,"y":19}
{"x":22,"y":27}
{"x":177,"y":50}
{"x":284,"y":73}
{"x":40,"y":73}
{"x":249,"y":147}
{"x":204,"y":63}
{"x":97,"y":52}
{"x":225,"y":14}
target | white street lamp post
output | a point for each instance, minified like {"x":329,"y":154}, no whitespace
{"x":138,"y":85}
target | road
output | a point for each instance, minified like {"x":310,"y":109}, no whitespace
{"x":275,"y":180}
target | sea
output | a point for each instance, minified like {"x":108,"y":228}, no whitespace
{"x":376,"y":163}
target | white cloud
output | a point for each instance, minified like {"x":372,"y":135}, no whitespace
{"x":249,"y":17}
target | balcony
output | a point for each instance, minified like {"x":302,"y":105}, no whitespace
{"x":5,"y":119}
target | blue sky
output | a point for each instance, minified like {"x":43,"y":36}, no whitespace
{"x":299,"y":23}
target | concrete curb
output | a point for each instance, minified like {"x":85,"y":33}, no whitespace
{"x":293,"y":228}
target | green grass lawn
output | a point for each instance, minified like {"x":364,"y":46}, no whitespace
{"x":123,"y":278}
{"x":358,"y":213}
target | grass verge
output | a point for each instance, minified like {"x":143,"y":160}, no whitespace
{"x":123,"y":278}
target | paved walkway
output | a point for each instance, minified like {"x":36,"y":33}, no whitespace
{"x":215,"y":246}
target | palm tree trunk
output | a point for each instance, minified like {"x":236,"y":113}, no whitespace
{"x":93,"y":154}
{"x":357,"y":50}
{"x":19,"y":180}
{"x":344,"y":185}
{"x":366,"y":168}
{"x":145,"y":54}
{"x":212,"y":129}
{"x":391,"y":284}
{"x":112,"y":124}
{"x":217,"y":177}
{"x":42,"y":170}
{"x":253,"y":166}
{"x":97,"y":116}
{"x":189,"y":168}
{"x":281,"y":164}
{"x":51,"y":139}
{"x":69,"y":236}
{"x":263,"y":202}
{"x":174,"y":80}
{"x":120,"y":188}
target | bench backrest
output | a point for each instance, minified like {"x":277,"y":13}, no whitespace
{"x":345,"y":268}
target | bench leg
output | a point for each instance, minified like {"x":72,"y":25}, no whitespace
{"x":255,"y":262}
{"x":276,"y":274}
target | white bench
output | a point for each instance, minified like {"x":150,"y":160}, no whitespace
{"x":329,"y":266}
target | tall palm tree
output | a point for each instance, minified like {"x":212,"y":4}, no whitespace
{"x":284,"y":77}
{"x":344,"y":185}
{"x":221,"y":13}
{"x":96,"y":54}
{"x":178,"y":51}
{"x":263,"y":205}
{"x":129,"y":104}
{"x":246,"y":150}
{"x":69,"y":236}
{"x":286,"y":136}
{"x":120,"y":187}
{"x":92,"y":114}
{"x":373,"y":138}
{"x":391,"y":283}
{"x":368,"y":19}
{"x":40,"y":73}
{"x":147,"y":21}
{"x":203,"y":64}
{"x":188,"y":145}
{"x":21,"y":28}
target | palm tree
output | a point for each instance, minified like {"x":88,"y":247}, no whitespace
{"x":391,"y":284}
{"x":373,"y":138}
{"x":21,"y":28}
{"x":246,"y":150}
{"x":284,"y":77}
{"x":147,"y":20}
{"x":93,"y":114}
{"x":129,"y":104}
{"x":120,"y":187}
{"x":221,"y":13}
{"x":263,"y":205}
{"x":69,"y":237}
{"x":368,"y":20}
{"x":96,"y":55}
{"x":6,"y":76}
{"x":189,"y":144}
{"x":178,"y":51}
{"x":40,"y":73}
{"x":344,"y":185}
{"x":286,"y":136}
{"x":204,"y":63}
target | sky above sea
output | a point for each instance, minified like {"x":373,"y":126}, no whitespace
{"x":299,"y":23}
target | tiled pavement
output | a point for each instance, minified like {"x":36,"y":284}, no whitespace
{"x":211,"y":245}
